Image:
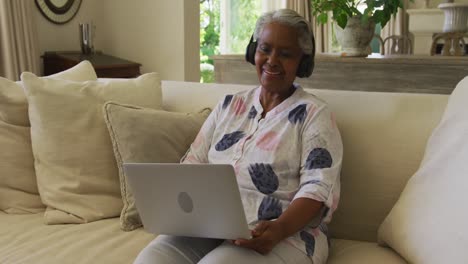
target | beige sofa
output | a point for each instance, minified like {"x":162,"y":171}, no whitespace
{"x":384,"y":137}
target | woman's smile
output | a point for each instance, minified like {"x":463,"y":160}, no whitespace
{"x":272,"y":73}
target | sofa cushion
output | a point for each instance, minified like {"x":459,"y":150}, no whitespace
{"x":147,"y":135}
{"x":359,"y":252}
{"x":428,"y":223}
{"x":13,"y":102}
{"x":76,"y":171}
{"x":18,"y":187}
{"x":24,"y":239}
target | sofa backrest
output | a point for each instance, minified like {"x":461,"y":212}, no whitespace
{"x":384,"y":137}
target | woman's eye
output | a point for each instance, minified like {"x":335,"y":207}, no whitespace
{"x":286,"y":54}
{"x":264,"y":49}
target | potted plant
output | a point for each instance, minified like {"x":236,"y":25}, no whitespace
{"x":358,"y":27}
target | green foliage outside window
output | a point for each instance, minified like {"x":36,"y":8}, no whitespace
{"x":243,"y":15}
{"x":209,"y":37}
{"x":209,"y":29}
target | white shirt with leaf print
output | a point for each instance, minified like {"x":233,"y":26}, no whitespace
{"x":294,"y":151}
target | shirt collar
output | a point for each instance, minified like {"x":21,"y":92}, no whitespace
{"x":282,"y":106}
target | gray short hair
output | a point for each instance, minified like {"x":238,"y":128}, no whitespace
{"x":290,"y":18}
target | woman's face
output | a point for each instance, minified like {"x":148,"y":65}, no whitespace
{"x":277,"y":57}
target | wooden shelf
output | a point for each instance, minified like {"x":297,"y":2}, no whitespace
{"x":377,"y":73}
{"x":106,"y":66}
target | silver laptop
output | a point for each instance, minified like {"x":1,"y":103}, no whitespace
{"x":196,"y":200}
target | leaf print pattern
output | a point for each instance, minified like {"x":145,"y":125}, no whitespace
{"x":227,"y":100}
{"x":315,"y":232}
{"x":270,"y":208}
{"x":324,"y":228}
{"x":239,"y":106}
{"x":318,"y":158}
{"x":229,"y":140}
{"x":268,"y":141}
{"x":264,"y":178}
{"x":309,"y":242}
{"x":252,"y":113}
{"x":298,"y":114}
{"x":312,"y":110}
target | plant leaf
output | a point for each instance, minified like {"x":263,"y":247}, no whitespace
{"x":342,"y":20}
{"x":379,"y":17}
{"x":322,"y":18}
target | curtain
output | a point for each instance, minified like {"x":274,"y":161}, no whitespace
{"x":302,"y":7}
{"x":398,"y":25}
{"x":322,"y":34}
{"x":18,"y":38}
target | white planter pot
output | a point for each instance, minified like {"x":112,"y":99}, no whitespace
{"x":355,"y":37}
{"x":456,"y":17}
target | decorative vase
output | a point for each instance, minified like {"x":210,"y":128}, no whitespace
{"x":86,"y":33}
{"x":456,"y":17}
{"x":355,"y":37}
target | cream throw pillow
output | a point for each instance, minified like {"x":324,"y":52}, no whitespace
{"x":147,"y":135}
{"x":76,"y":171}
{"x":18,"y":187}
{"x":428,"y":224}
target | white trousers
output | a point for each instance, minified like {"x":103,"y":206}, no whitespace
{"x":180,"y":250}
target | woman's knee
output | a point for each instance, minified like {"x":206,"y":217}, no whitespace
{"x":172,"y":249}
{"x":228,"y":253}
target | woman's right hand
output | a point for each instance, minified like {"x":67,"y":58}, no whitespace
{"x":265,"y":236}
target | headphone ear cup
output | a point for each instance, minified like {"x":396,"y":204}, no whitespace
{"x":250,"y":51}
{"x":306,"y":66}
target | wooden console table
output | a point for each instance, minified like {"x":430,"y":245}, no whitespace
{"x":105,"y":65}
{"x":392,"y":73}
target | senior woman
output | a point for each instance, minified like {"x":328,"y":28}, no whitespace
{"x":286,"y":150}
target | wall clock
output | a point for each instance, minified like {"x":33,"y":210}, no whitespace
{"x":58,"y":11}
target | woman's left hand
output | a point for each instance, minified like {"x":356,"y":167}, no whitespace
{"x":265,"y":236}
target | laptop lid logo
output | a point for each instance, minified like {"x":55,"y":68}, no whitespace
{"x":185,"y":202}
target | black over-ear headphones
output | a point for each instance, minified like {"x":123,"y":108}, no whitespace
{"x":306,"y":66}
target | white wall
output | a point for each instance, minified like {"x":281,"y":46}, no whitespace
{"x":162,"y":35}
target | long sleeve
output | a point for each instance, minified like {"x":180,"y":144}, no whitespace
{"x":321,"y":160}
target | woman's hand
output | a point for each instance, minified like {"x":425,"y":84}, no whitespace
{"x":265,"y":236}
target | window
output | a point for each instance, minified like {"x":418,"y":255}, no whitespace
{"x":238,"y":19}
{"x":226,"y":27}
{"x":209,"y":37}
